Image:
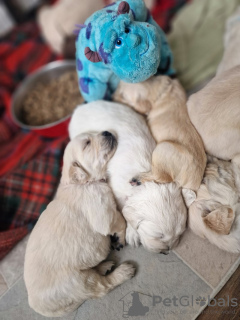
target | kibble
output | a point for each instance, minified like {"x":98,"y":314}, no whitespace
{"x":49,"y":102}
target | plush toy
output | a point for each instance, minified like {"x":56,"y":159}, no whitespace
{"x":119,"y":42}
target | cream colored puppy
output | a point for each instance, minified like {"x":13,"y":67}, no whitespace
{"x":231,"y":56}
{"x":63,"y":262}
{"x":179,"y":155}
{"x":215,"y":214}
{"x":156,"y":214}
{"x":215,"y":113}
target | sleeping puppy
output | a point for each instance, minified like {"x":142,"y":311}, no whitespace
{"x":63,"y":262}
{"x":215,"y":113}
{"x":156,"y":214}
{"x":215,"y":214}
{"x":179,"y":155}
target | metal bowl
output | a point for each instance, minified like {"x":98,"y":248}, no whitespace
{"x":44,"y":74}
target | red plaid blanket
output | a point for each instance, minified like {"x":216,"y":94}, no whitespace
{"x":29,"y":165}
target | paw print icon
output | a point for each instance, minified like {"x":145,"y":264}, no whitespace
{"x":201,"y":301}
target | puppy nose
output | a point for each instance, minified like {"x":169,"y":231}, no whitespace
{"x":106,"y":134}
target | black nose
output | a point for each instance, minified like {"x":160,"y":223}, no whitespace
{"x":106,"y":134}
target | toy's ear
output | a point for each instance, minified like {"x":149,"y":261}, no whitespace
{"x":109,"y":40}
{"x":77,"y":174}
{"x":220,"y":220}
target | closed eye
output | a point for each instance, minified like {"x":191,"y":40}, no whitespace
{"x":87,"y":143}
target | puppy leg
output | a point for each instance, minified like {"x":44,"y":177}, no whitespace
{"x":99,"y":285}
{"x":236,"y":160}
{"x":118,"y":226}
{"x":132,"y":237}
{"x":105,"y":267}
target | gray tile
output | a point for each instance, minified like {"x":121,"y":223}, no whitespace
{"x":11,"y":267}
{"x":3,"y":285}
{"x":14,"y":305}
{"x":158,"y":275}
{"x":211,"y":263}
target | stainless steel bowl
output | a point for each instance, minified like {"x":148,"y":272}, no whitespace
{"x":44,"y":74}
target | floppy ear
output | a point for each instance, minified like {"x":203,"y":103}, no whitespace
{"x":220,"y":220}
{"x":143,"y":105}
{"x":189,"y":196}
{"x":77,"y":173}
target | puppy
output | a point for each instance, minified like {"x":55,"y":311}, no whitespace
{"x":63,"y":262}
{"x":231,"y":57}
{"x":179,"y":155}
{"x":150,"y":209}
{"x":215,"y":214}
{"x":215,"y":113}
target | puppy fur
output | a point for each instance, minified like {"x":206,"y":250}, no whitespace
{"x":215,"y":113}
{"x":215,"y":214}
{"x":63,"y":262}
{"x":231,"y":56}
{"x":179,"y":155}
{"x":143,"y":206}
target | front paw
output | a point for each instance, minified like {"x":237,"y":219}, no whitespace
{"x":117,"y":242}
{"x":132,"y":236}
{"x":135,"y":181}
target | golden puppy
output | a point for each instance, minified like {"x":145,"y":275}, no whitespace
{"x":215,"y":214}
{"x":179,"y":155}
{"x":63,"y":262}
{"x":215,"y":113}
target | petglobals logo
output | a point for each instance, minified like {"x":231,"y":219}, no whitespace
{"x":137,"y":304}
{"x":186,"y":301}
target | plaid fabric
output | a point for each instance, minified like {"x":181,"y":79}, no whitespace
{"x":164,"y":10}
{"x":29,"y":165}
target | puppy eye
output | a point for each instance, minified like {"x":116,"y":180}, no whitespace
{"x":127,"y":30}
{"x":87,"y":143}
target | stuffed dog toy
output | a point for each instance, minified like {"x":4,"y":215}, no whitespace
{"x":215,"y":214}
{"x":179,"y":155}
{"x":121,"y":41}
{"x":63,"y":262}
{"x":156,"y":214}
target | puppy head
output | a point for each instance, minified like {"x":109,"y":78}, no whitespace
{"x":86,"y":156}
{"x":216,"y":198}
{"x":158,"y":213}
{"x":145,"y":96}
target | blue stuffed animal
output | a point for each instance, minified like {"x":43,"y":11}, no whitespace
{"x":119,"y":42}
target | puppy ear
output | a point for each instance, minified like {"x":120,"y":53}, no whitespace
{"x":143,"y":105}
{"x":220,"y":220}
{"x":189,"y":196}
{"x":77,"y":173}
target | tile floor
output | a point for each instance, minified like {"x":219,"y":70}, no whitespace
{"x":195,"y":270}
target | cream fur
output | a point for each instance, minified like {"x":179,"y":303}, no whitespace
{"x":179,"y":155}
{"x":215,"y":214}
{"x":231,"y":57}
{"x":215,"y":113}
{"x":63,"y":262}
{"x":159,"y":204}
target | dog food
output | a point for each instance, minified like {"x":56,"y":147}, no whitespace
{"x":49,"y":102}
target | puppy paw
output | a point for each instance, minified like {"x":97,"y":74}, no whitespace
{"x":132,"y":236}
{"x":125,"y":271}
{"x":135,"y":181}
{"x":106,"y":267}
{"x":117,"y":243}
